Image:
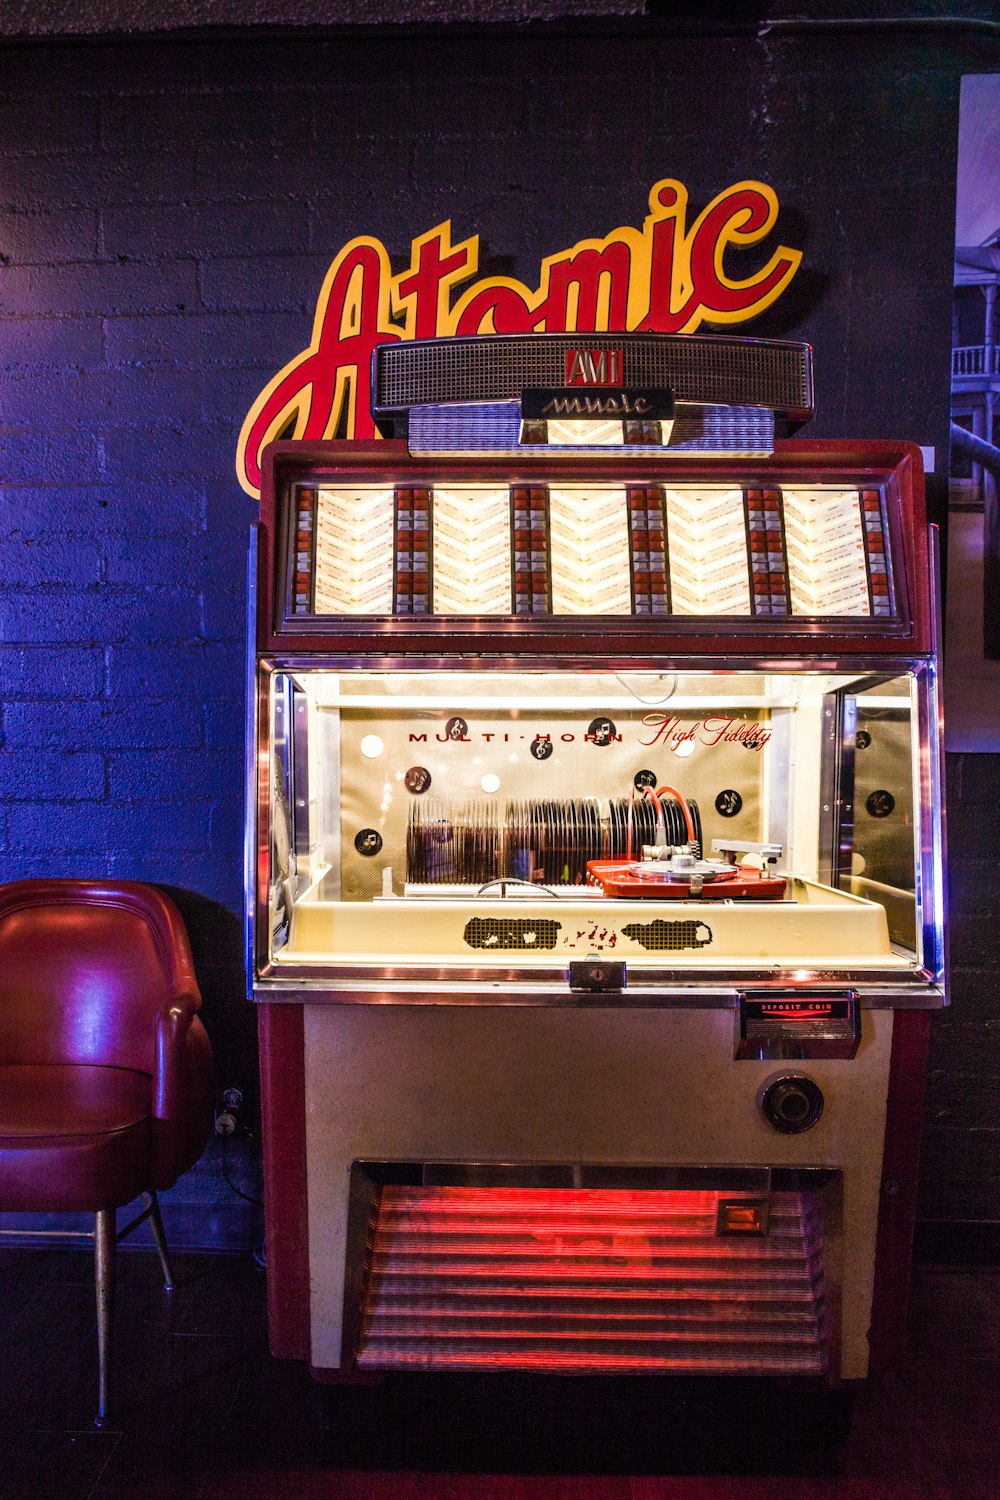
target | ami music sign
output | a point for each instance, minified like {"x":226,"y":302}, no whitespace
{"x":664,"y":278}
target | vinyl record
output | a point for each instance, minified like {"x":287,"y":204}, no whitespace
{"x":593,"y":843}
{"x":677,"y":828}
{"x":650,"y":821}
{"x":614,"y":839}
{"x":696,"y":820}
{"x":557,"y":840}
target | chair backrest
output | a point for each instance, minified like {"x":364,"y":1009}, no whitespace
{"x":84,"y":967}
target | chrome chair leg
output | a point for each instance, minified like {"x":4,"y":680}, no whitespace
{"x":160,"y":1238}
{"x":104,"y":1277}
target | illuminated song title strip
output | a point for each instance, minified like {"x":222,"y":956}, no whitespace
{"x":591,"y":570}
{"x":827,"y":563}
{"x":709,"y":565}
{"x":354,"y":543}
{"x":472,"y":552}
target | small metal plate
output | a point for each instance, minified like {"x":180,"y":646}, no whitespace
{"x":597,"y":974}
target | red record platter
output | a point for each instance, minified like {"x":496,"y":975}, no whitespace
{"x":623,"y":878}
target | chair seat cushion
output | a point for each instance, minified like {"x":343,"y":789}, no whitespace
{"x":72,"y":1136}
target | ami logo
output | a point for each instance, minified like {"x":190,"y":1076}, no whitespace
{"x":593,"y":367}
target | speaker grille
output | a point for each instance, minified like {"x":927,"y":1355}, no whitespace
{"x":600,"y":1279}
{"x":707,"y":369}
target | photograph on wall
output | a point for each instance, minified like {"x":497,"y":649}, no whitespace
{"x":972,"y":630}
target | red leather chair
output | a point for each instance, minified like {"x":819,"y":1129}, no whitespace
{"x":106,"y":1082}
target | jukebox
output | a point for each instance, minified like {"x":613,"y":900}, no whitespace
{"x":594,"y":867}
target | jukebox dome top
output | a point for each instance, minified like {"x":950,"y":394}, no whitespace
{"x":697,"y":369}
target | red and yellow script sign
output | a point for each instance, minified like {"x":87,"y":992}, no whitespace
{"x":664,"y":278}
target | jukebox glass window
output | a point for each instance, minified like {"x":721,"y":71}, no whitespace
{"x":878,"y":851}
{"x":482,"y":816}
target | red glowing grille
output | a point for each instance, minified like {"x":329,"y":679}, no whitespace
{"x":482,"y":1278}
{"x":810,"y":1012}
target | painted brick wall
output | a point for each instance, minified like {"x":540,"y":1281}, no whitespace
{"x":961,"y":1151}
{"x":167,"y":212}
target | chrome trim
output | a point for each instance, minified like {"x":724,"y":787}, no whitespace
{"x":635,"y":632}
{"x":828,"y":828}
{"x":249,"y":759}
{"x":575,"y":661}
{"x":261,"y":824}
{"x":386,"y":988}
{"x":846,"y":720}
{"x":471,"y":429}
{"x":727,"y":1177}
{"x":932,"y":831}
{"x":299,"y":789}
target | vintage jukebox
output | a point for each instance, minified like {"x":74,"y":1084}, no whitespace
{"x":594,"y":867}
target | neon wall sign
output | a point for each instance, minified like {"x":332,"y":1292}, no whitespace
{"x":663,"y":278}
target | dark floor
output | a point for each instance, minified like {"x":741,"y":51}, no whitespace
{"x":205,"y":1413}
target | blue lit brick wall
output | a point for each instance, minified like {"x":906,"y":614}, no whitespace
{"x":122,"y":533}
{"x":167,"y":212}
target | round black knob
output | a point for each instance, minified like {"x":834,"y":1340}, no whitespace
{"x":791,"y":1104}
